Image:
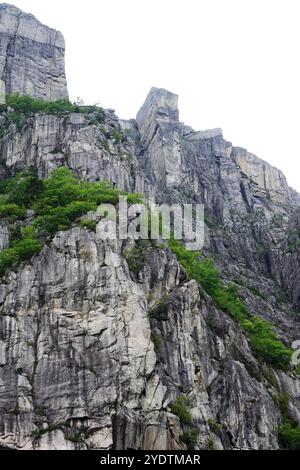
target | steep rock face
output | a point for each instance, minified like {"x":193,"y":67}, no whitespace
{"x":159,"y":127}
{"x":93,"y":150}
{"x":94,"y":350}
{"x":291,"y":260}
{"x":4,"y":235}
{"x":78,"y":365}
{"x":81,"y":366}
{"x":81,"y":342}
{"x":31,"y":56}
{"x":248,"y":202}
{"x":267,"y":181}
{"x":177,"y":157}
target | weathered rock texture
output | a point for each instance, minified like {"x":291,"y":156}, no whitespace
{"x":81,"y":360}
{"x":86,"y":360}
{"x":31,"y":56}
{"x":78,"y":364}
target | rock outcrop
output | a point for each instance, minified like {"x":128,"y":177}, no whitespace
{"x":95,"y":348}
{"x":31,"y":56}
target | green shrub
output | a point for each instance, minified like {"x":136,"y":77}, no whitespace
{"x":89,"y":224}
{"x":22,"y":250}
{"x":288,"y":431}
{"x":283,"y":400}
{"x":62,"y":188}
{"x":65,"y":198}
{"x":57,"y":202}
{"x":211,"y":444}
{"x":26,"y":106}
{"x":266,"y":344}
{"x":60,"y":218}
{"x":48,"y":225}
{"x":181,"y":408}
{"x":21,"y":189}
{"x":157,"y":340}
{"x":214,"y":426}
{"x":202,"y":271}
{"x":130,"y":256}
{"x":264,"y":341}
{"x":7,"y":258}
{"x":135,"y":257}
{"x":190,"y":437}
{"x":12,"y":212}
{"x":289,"y":435}
{"x":27,"y":248}
{"x":117,"y":136}
{"x":134,"y":198}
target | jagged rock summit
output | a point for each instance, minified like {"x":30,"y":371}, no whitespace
{"x":31,"y":56}
{"x":160,"y":104}
{"x":176,"y":157}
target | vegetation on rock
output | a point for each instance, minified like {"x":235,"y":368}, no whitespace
{"x":263,"y":339}
{"x":181,"y":408}
{"x":18,"y":108}
{"x":190,"y":437}
{"x":57,"y":203}
{"x":289,"y":434}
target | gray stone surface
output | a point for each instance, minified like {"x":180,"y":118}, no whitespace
{"x":85,"y":362}
{"x":31,"y":56}
{"x":4,"y":235}
{"x":76,"y":346}
{"x":77,"y":356}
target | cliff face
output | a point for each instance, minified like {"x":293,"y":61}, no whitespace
{"x":95,"y":346}
{"x":77,"y":355}
{"x":31,"y":56}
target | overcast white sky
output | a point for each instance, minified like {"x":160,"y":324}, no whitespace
{"x":234,"y":63}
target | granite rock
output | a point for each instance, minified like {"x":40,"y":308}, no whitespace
{"x":31,"y":56}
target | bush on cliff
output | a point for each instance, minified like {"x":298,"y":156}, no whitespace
{"x":181,"y":408}
{"x":21,"y":107}
{"x":289,"y":435}
{"x":12,"y":212}
{"x":57,"y":202}
{"x":20,"y":251}
{"x":263,"y":339}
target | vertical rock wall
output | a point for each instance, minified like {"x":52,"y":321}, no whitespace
{"x":31,"y":56}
